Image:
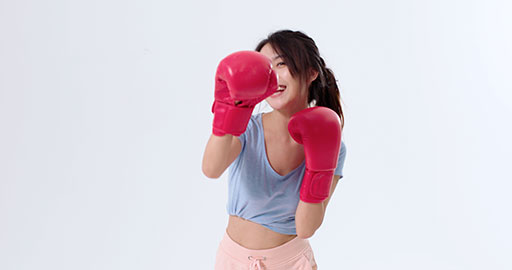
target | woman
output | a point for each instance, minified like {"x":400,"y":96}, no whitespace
{"x":284,"y":165}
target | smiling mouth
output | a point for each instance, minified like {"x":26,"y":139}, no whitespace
{"x":281,"y":88}
{"x":279,"y":91}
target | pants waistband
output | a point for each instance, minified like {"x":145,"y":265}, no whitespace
{"x":272,"y":256}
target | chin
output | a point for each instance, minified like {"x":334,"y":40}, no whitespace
{"x":283,"y":101}
{"x":277,"y":105}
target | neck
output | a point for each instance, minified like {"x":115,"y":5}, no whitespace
{"x":278,"y":120}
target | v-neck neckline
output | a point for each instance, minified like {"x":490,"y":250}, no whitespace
{"x":266,"y":156}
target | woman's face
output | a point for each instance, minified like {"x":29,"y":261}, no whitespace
{"x":291,"y":94}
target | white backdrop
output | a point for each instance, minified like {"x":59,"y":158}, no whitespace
{"x":105,"y":113}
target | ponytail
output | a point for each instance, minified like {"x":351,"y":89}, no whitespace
{"x":324,"y":91}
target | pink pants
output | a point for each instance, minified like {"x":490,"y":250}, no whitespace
{"x":293,"y":255}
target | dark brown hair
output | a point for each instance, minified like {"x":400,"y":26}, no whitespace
{"x":300,"y":54}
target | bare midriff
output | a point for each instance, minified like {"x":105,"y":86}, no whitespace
{"x":253,"y":235}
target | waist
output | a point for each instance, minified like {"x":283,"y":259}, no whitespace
{"x":254,"y":236}
{"x":283,"y":255}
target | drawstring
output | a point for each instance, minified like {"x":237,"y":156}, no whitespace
{"x":256,"y":262}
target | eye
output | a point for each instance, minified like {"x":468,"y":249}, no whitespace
{"x":281,"y":63}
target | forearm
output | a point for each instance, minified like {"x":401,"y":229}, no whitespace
{"x":220,"y":151}
{"x":309,"y":216}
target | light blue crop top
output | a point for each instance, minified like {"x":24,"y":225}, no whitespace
{"x":258,"y":193}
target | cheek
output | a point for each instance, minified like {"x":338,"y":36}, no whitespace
{"x":284,"y":74}
{"x":280,"y":75}
{"x":302,"y":91}
{"x":287,"y":74}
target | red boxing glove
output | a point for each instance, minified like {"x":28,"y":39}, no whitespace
{"x":243,"y":79}
{"x":318,"y":129}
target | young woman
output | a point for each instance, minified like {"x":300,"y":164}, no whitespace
{"x":283,"y":165}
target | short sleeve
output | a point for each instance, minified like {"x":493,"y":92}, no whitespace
{"x":341,"y":160}
{"x":244,"y":136}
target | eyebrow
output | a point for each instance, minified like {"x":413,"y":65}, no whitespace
{"x":279,"y":56}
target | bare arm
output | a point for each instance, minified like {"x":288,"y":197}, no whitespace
{"x":309,"y":216}
{"x":220,"y":152}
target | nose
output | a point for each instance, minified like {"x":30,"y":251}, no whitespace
{"x":277,"y":76}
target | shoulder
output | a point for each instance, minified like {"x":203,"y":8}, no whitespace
{"x":343,"y":151}
{"x":255,"y":121}
{"x":343,"y":148}
{"x":253,"y":128}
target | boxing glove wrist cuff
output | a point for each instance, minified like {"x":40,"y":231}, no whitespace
{"x":316,"y":186}
{"x":229,"y":119}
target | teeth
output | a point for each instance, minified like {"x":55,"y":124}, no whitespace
{"x":281,"y":88}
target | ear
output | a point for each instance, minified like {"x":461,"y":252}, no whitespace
{"x":313,"y":74}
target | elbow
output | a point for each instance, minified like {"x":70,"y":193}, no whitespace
{"x":210,"y":173}
{"x":305,"y":233}
{"x":308,"y":219}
